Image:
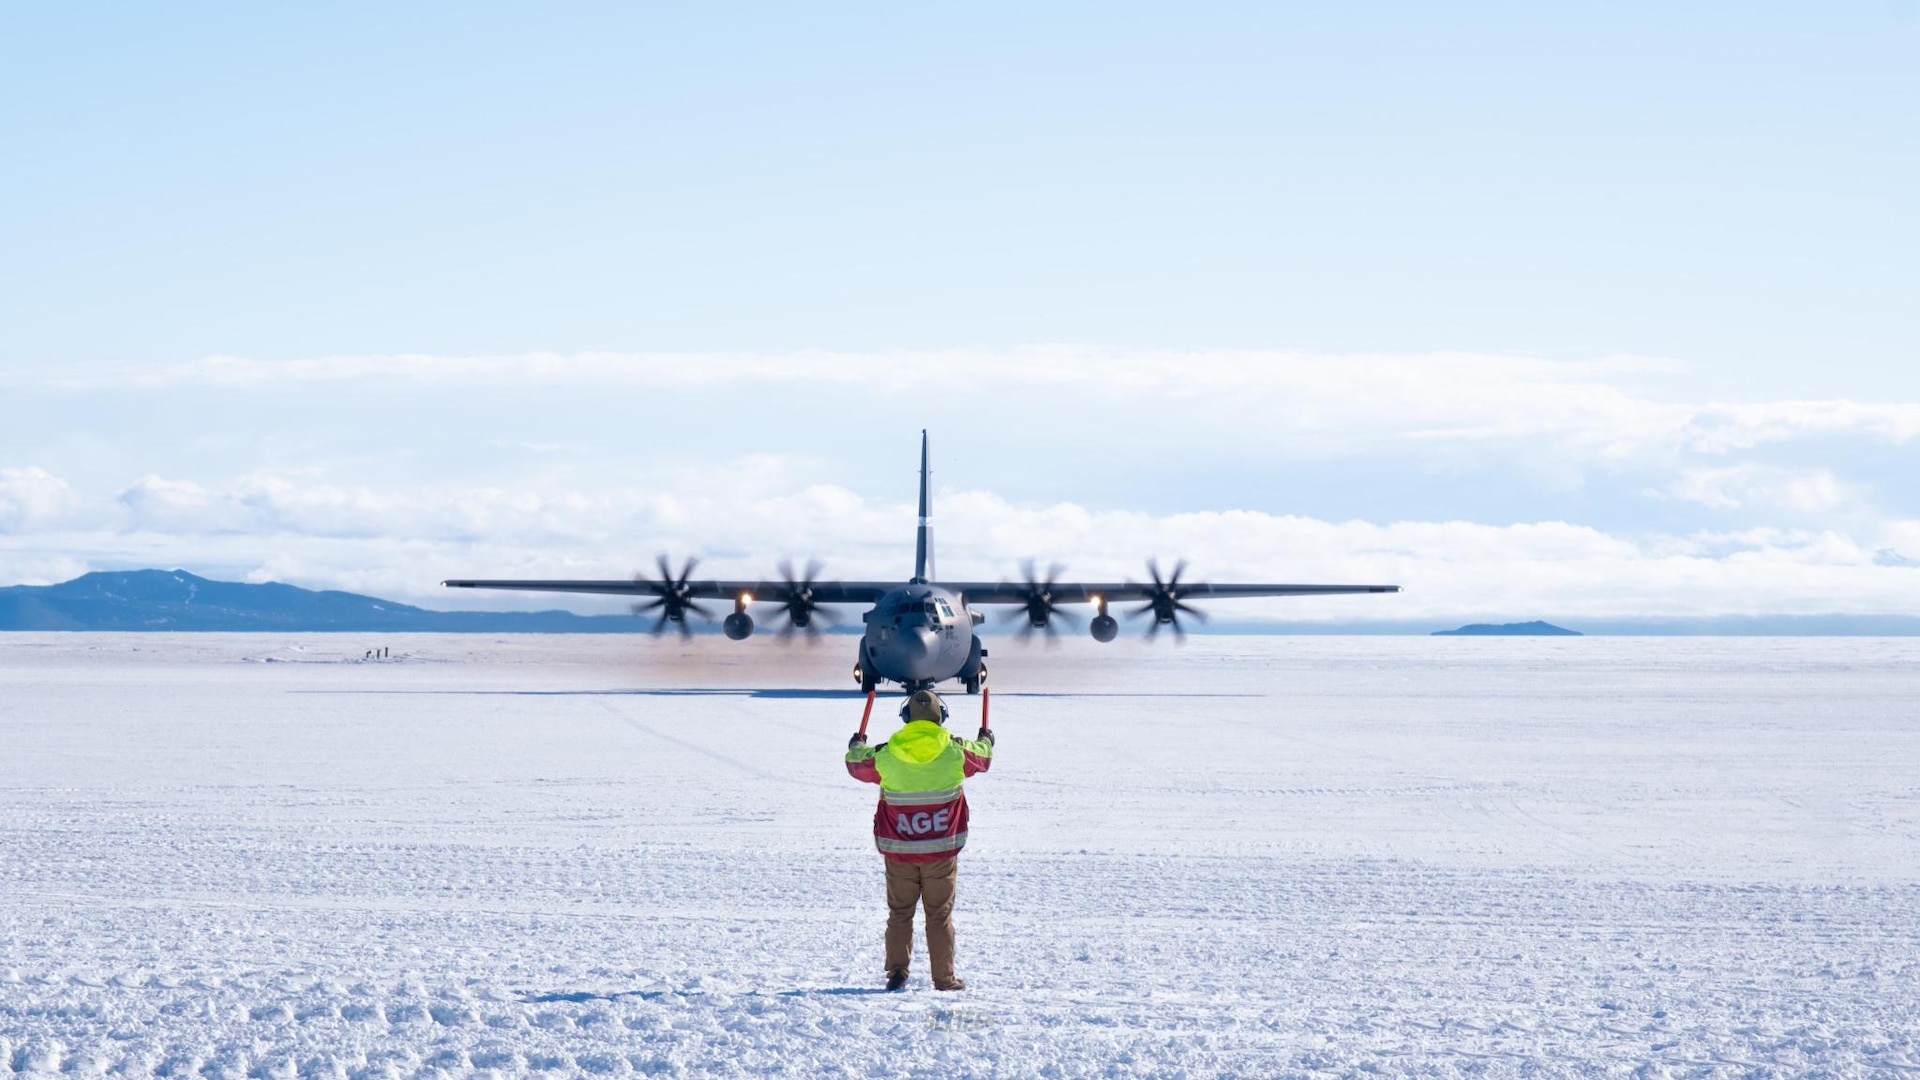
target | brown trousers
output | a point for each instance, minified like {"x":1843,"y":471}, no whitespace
{"x":930,"y":884}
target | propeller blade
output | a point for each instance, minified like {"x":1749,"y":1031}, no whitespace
{"x":661,"y":625}
{"x":666,"y":569}
{"x":797,"y":604}
{"x":1163,"y":600}
{"x":1038,"y":611}
{"x":686,"y":571}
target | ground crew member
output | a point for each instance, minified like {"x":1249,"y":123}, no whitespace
{"x":920,"y":827}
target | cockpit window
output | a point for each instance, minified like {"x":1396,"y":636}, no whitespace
{"x":934,"y":608}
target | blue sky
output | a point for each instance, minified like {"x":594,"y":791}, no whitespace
{"x":1484,"y":266}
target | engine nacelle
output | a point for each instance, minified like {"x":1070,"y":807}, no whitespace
{"x":1104,"y":627}
{"x":739,"y":626}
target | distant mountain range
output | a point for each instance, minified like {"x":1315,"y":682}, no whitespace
{"x":177,"y":600}
{"x":1512,"y":629}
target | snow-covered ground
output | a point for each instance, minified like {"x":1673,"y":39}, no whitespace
{"x":232,"y":856}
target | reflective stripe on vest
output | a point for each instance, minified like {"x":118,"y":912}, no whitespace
{"x":919,"y":798}
{"x":920,"y":847}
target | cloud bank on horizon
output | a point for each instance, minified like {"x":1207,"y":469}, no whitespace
{"x":1597,"y":309}
{"x":1486,"y":485}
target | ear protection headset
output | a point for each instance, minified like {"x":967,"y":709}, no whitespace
{"x":907,"y":704}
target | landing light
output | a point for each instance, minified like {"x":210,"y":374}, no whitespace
{"x":746,"y":598}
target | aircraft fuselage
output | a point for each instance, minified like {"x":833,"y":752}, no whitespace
{"x":919,"y":635}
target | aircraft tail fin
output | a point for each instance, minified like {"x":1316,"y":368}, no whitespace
{"x":923,"y":548}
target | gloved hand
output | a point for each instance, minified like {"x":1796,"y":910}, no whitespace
{"x":986,"y":735}
{"x":859,"y":739}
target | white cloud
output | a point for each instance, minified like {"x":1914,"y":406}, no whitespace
{"x":28,"y":567}
{"x":1581,"y":408}
{"x":584,"y":509}
{"x":1899,"y":542}
{"x":1803,"y":491}
{"x":1720,"y":428}
{"x":398,"y":542}
{"x":33,"y":498}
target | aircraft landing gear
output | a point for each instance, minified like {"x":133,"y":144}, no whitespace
{"x":974,"y":675}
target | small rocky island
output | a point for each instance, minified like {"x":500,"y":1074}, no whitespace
{"x":1516,"y":629}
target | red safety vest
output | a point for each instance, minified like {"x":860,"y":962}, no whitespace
{"x":922,"y":816}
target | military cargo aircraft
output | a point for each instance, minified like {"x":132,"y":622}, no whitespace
{"x":920,"y":633}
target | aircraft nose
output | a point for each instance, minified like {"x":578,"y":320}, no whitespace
{"x":919,"y":641}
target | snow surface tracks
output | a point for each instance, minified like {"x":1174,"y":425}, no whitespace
{"x":1399,"y":858}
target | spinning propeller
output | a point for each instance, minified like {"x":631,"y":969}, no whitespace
{"x":670,"y":597}
{"x":1163,"y":600}
{"x":799,"y":606}
{"x":1039,"y":610}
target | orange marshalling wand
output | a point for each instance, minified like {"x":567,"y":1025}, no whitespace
{"x":866,"y":713}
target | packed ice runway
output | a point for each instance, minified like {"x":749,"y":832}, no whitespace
{"x":268,"y":856}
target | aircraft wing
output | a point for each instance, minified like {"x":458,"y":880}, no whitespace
{"x":776,"y":591}
{"x":1078,"y":592}
{"x":867,"y":592}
